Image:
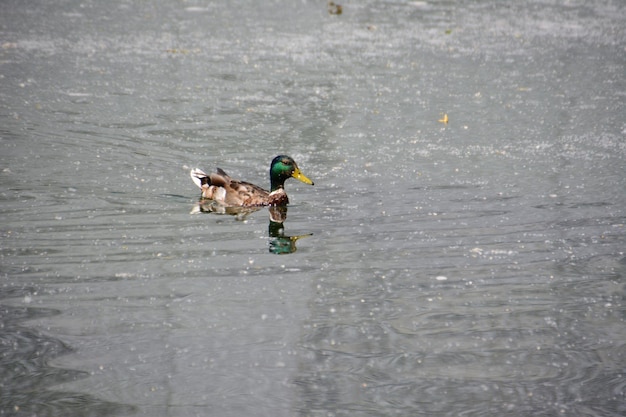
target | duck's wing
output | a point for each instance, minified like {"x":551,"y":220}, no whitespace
{"x":241,"y":193}
{"x":219,"y":178}
{"x":221,"y":188}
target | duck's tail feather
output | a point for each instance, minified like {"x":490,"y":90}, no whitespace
{"x":199,"y":177}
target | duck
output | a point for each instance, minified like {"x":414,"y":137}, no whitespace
{"x":226,"y":191}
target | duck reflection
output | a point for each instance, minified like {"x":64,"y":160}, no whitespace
{"x":210,"y":206}
{"x":279,"y":242}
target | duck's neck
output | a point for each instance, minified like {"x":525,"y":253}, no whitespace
{"x":276,"y":184}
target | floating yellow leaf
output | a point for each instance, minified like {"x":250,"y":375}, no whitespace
{"x":334,"y":8}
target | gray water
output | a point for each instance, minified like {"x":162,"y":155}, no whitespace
{"x":468,"y":268}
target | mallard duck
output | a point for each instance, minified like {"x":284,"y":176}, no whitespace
{"x":226,"y":191}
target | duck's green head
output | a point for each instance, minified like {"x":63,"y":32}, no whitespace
{"x":282,"y":168}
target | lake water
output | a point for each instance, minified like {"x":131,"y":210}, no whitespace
{"x":468,"y":268}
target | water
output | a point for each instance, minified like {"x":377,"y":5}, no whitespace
{"x":469,"y":268}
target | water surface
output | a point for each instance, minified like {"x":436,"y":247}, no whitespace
{"x":473,"y":267}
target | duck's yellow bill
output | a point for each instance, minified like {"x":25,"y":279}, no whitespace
{"x":300,"y":176}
